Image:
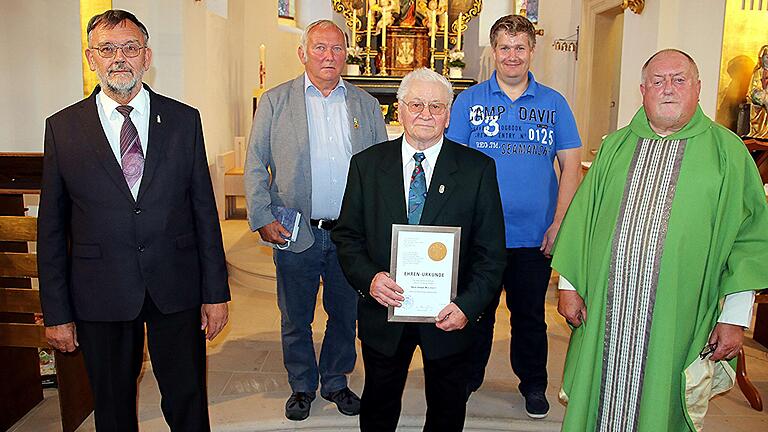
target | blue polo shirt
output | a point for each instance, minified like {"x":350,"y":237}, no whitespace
{"x":523,"y":137}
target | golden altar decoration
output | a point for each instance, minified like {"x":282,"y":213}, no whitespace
{"x":398,"y":36}
{"x":409,"y":49}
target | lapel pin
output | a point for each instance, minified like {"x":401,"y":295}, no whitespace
{"x":158,"y":118}
{"x":441,"y":189}
{"x":355,"y":123}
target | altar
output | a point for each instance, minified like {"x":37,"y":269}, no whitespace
{"x":384,"y":89}
{"x":390,"y":38}
{"x":394,"y":37}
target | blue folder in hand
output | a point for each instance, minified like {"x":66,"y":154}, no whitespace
{"x":288,"y":218}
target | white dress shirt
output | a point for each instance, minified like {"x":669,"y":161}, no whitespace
{"x":737,"y":307}
{"x":112,"y":123}
{"x":428,"y":164}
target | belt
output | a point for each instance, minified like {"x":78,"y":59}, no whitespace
{"x":323,"y":224}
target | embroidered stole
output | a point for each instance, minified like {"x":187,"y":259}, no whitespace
{"x":637,"y":248}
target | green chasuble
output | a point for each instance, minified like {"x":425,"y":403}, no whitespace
{"x":659,"y":232}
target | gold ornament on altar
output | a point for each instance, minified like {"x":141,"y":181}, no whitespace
{"x":757,"y":97}
{"x":398,"y":36}
{"x":635,"y":6}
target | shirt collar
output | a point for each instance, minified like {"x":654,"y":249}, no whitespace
{"x":430,"y":154}
{"x":308,"y":84}
{"x":140,"y":102}
{"x":529,"y":91}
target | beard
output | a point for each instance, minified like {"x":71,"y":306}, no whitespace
{"x":117,"y":85}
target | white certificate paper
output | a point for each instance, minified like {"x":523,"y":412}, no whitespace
{"x":424,"y":263}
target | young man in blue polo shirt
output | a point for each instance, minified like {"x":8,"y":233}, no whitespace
{"x":523,"y":125}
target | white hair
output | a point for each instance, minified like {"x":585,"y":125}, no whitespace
{"x":320,"y":24}
{"x":425,"y":75}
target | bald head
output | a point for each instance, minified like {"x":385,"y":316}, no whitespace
{"x":667,"y":52}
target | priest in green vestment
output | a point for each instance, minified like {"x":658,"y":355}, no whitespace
{"x":659,"y":256}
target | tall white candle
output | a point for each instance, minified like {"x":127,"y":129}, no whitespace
{"x":433,"y":26}
{"x":384,"y":20}
{"x":263,"y":55}
{"x":368,"y":29}
{"x":445,"y":32}
{"x":458,"y":36}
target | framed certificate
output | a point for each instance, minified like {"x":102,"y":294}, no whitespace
{"x":425,"y":263}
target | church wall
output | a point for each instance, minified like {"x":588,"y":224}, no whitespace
{"x":261,"y":27}
{"x":694,"y":26}
{"x":556,"y":69}
{"x":192,"y":61}
{"x":166,"y":33}
{"x":41,"y":71}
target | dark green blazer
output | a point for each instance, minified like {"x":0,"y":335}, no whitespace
{"x":375,"y":199}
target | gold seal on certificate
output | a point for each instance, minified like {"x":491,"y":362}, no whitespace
{"x":437,"y":251}
{"x":424,"y":263}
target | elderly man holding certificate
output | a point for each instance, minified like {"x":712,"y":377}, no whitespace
{"x":420,"y":231}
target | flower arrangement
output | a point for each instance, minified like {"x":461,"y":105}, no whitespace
{"x":456,"y":59}
{"x":355,"y":56}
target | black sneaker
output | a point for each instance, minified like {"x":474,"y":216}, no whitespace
{"x":298,"y":405}
{"x":536,"y":405}
{"x":346,"y":401}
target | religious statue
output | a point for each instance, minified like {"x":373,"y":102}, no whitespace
{"x":378,"y":7}
{"x":757,"y":95}
{"x":409,"y":13}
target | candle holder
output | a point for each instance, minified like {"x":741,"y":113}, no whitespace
{"x":439,"y":55}
{"x":444,"y":57}
{"x":432,"y":53}
{"x":367,"y":71}
{"x":383,"y":71}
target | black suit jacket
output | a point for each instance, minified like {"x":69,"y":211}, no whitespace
{"x":99,"y":250}
{"x":374,"y":200}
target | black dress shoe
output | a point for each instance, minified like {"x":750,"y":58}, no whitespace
{"x":346,"y":401}
{"x":298,"y":405}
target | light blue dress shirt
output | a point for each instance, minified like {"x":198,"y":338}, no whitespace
{"x":330,"y":147}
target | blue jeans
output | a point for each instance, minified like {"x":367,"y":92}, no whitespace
{"x":298,"y":279}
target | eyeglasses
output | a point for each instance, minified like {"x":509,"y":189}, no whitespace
{"x":417,"y":107}
{"x":130,"y":49}
{"x":707,"y":350}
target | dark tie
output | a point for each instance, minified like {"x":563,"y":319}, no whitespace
{"x":417,"y":194}
{"x":131,"y":155}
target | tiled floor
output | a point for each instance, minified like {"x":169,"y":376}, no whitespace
{"x":247,"y":384}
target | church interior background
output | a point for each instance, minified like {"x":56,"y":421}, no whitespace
{"x":221,"y":55}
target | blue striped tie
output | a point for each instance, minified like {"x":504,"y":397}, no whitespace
{"x":417,"y":194}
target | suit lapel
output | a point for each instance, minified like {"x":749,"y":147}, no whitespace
{"x":95,"y":137}
{"x":390,"y":182}
{"x":354,"y":110}
{"x":442,"y":185}
{"x":298,"y":107}
{"x":157,"y":139}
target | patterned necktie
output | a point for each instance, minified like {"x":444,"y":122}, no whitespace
{"x":417,"y":194}
{"x":131,"y":155}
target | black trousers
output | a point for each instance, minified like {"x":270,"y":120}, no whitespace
{"x":526,"y":278}
{"x":113,"y":353}
{"x":445,"y":383}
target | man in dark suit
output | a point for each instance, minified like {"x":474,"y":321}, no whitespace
{"x":124,"y":242}
{"x":461,"y":191}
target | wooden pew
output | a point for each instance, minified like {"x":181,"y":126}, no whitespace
{"x":18,"y":331}
{"x":745,"y":385}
